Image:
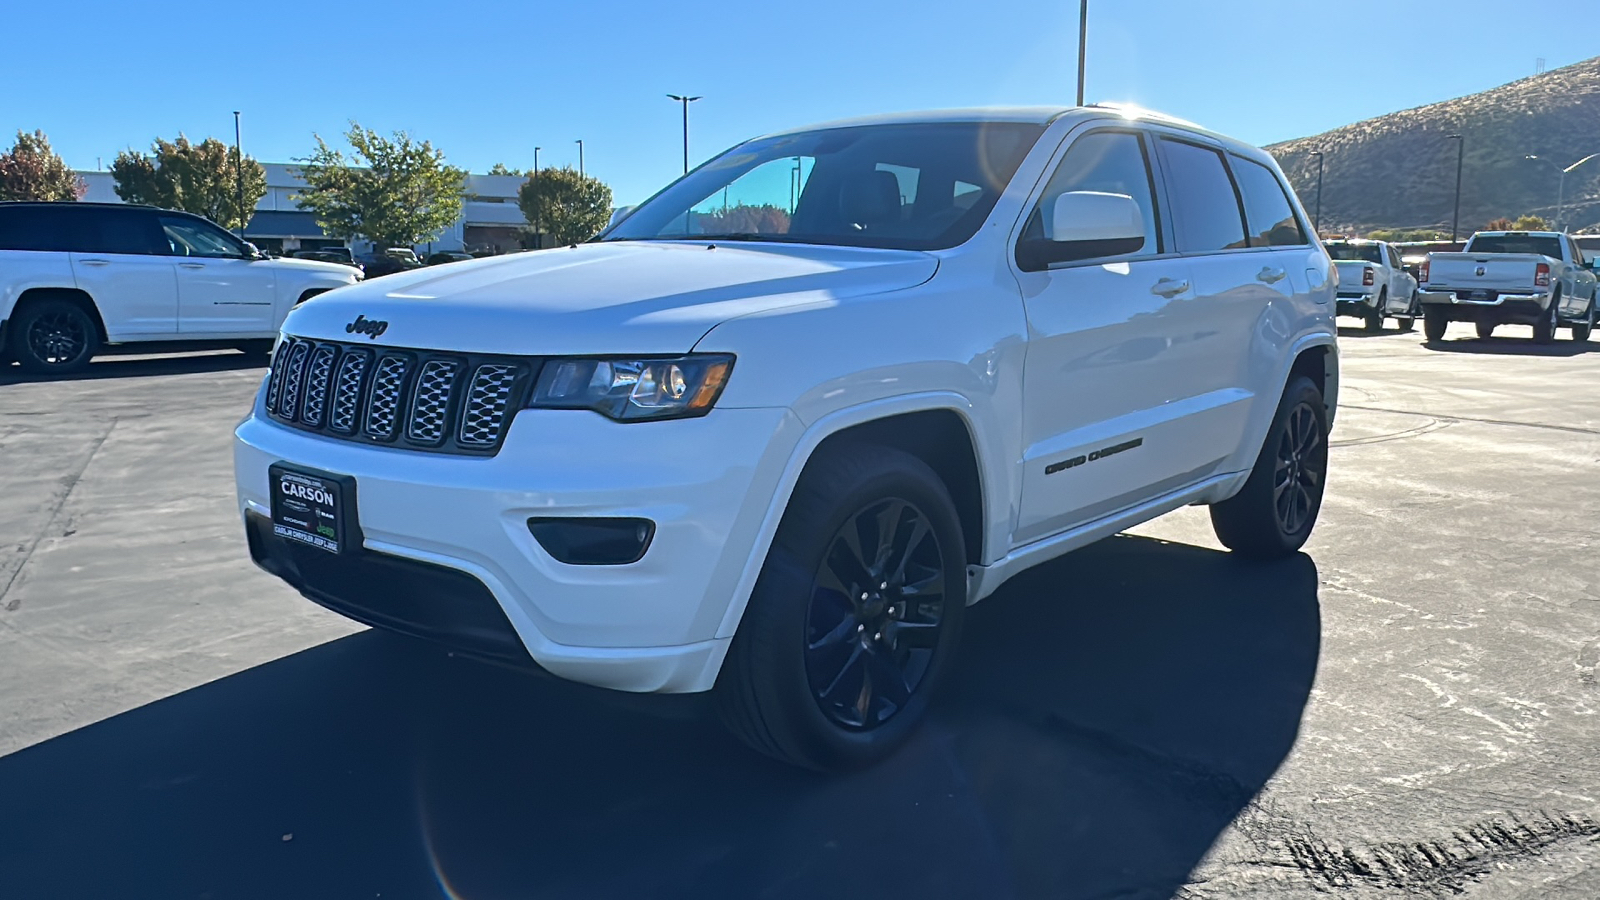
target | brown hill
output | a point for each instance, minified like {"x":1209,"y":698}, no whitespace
{"x":1398,"y":170}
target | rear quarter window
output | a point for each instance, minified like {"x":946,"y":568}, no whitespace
{"x":46,"y":228}
{"x":1267,"y":209}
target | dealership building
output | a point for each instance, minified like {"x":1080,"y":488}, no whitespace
{"x":491,"y":220}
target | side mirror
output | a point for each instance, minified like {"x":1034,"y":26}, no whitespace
{"x":618,"y":215}
{"x":1084,"y":225}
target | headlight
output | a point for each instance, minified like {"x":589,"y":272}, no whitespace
{"x":634,"y":389}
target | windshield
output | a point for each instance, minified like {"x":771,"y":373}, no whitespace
{"x":1545,"y":245}
{"x":1355,"y":252}
{"x":921,"y":186}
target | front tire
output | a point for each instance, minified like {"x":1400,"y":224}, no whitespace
{"x":1409,"y":321}
{"x":855,"y":615}
{"x":54,"y":337}
{"x":1273,"y":514}
{"x":1544,"y":330}
{"x":1375,"y":313}
{"x":1582,"y":330}
{"x":1434,"y":323}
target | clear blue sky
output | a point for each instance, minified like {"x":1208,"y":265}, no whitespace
{"x":487,"y":81}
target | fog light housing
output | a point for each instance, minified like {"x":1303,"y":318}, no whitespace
{"x":592,"y":541}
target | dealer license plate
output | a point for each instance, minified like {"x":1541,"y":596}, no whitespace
{"x":313,"y":508}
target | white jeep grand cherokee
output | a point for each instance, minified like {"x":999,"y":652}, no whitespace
{"x":774,"y":430}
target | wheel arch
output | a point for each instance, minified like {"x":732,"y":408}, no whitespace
{"x":75,"y":296}
{"x":900,"y":422}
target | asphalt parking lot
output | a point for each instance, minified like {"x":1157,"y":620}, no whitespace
{"x":1409,"y":707}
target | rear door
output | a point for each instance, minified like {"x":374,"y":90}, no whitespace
{"x":221,"y":288}
{"x":119,"y":259}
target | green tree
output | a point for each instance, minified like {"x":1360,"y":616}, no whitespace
{"x":1393,"y":235}
{"x":1530,"y":222}
{"x":399,"y":192}
{"x":30,"y":170}
{"x":201,"y":178}
{"x":500,"y":169}
{"x":565,"y":205}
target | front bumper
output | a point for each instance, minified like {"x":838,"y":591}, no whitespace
{"x":652,"y":625}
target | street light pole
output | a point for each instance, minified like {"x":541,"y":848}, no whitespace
{"x":1316,"y":221}
{"x":538,"y":238}
{"x":685,"y":100}
{"x":1561,"y":186}
{"x":238,"y":173}
{"x":1455,"y":220}
{"x":580,"y":156}
{"x":1083,"y":43}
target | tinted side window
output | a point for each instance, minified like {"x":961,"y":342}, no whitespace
{"x":36,"y":228}
{"x":1205,"y":210}
{"x":130,"y":231}
{"x":1111,"y":162}
{"x":191,"y":237}
{"x":1266,"y":206}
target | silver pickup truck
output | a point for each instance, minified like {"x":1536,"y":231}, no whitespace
{"x":1538,"y":278}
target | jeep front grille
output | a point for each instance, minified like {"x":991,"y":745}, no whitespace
{"x":411,"y":399}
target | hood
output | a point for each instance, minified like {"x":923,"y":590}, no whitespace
{"x":314,"y":265}
{"x":605,"y":298}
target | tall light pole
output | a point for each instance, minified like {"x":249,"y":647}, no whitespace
{"x":580,"y":156}
{"x":1083,"y":43}
{"x":238,"y":173}
{"x":1561,"y":186}
{"x":1455,"y":220}
{"x":685,"y":100}
{"x":538,"y":238}
{"x":1316,"y":221}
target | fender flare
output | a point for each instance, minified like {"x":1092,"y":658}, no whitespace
{"x":805,"y":448}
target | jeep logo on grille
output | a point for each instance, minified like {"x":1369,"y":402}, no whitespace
{"x":369,"y":327}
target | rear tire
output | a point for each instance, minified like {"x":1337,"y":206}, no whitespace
{"x":1485,"y":330}
{"x":1273,"y":514}
{"x":1544,"y":330}
{"x":1434,"y":323}
{"x":837,"y":654}
{"x":53,"y":337}
{"x":1374,"y":314}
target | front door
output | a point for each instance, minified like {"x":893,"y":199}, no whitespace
{"x":1104,"y":377}
{"x":221,"y":289}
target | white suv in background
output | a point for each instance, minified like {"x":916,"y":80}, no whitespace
{"x":775,"y":429}
{"x":77,"y":276}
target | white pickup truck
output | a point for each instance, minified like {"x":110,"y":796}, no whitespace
{"x":1536,"y":278}
{"x":75,"y":277}
{"x":773,"y":448}
{"x":1373,"y":283}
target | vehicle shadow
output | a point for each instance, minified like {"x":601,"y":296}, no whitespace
{"x":1359,"y":331}
{"x":1110,"y":714}
{"x":1509,"y":346}
{"x":141,"y":364}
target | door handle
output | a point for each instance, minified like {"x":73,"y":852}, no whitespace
{"x":1167,"y":287}
{"x":1270,"y":275}
{"x":95,"y":262}
{"x":191,"y":265}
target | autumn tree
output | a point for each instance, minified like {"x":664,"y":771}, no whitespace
{"x":745,"y":219}
{"x":394,"y":191}
{"x":204,"y":179}
{"x":568,"y":206}
{"x":30,"y":170}
{"x":1501,"y":224}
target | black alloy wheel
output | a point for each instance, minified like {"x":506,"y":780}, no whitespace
{"x":54,"y":337}
{"x":874,"y":614}
{"x":1301,"y":467}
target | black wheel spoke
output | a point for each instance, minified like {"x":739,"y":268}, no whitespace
{"x":875,"y":613}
